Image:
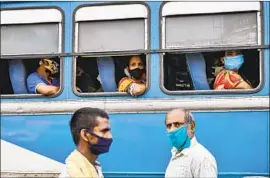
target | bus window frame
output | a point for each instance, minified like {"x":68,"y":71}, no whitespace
{"x":147,"y":45}
{"x":261,"y":42}
{"x":35,"y":56}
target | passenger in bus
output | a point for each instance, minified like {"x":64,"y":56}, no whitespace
{"x":85,"y":83}
{"x":135,"y":83}
{"x":228,"y":77}
{"x":189,"y":157}
{"x":42,"y":81}
{"x":91,"y":133}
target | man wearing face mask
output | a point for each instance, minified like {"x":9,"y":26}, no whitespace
{"x":135,"y":84}
{"x":42,"y":81}
{"x":228,"y":77}
{"x":189,"y":157}
{"x":91,"y":132}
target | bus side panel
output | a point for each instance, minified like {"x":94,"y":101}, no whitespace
{"x":238,"y":140}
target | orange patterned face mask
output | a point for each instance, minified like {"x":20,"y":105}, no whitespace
{"x":51,"y":65}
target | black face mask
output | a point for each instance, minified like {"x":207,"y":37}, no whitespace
{"x":136,"y":73}
{"x":102,"y":146}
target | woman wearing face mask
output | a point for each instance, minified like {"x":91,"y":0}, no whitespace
{"x":228,"y":77}
{"x":135,"y":84}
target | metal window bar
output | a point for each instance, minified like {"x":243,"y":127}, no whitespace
{"x":133,"y":52}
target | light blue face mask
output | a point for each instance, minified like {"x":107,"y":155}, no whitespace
{"x":233,"y":62}
{"x":179,"y":138}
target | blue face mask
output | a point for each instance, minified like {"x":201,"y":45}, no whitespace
{"x":233,"y":62}
{"x":179,"y":138}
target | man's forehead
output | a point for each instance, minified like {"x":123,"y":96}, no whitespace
{"x":175,"y":116}
{"x":103,"y":123}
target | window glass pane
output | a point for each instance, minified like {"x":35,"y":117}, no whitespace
{"x":111,"y":35}
{"x":29,"y":39}
{"x":212,"y":30}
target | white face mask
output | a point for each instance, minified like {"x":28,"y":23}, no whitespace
{"x":217,"y":70}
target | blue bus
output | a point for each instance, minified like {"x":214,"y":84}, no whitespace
{"x":181,"y":44}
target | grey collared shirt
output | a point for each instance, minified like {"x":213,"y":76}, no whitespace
{"x":195,"y":161}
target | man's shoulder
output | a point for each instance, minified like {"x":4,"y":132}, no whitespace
{"x":201,"y":153}
{"x":64,"y":171}
{"x":33,"y":76}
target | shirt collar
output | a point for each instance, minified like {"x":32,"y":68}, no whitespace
{"x":176,"y":152}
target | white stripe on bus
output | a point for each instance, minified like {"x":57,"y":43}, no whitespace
{"x":138,"y":105}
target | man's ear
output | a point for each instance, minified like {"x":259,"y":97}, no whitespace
{"x":192,"y":126}
{"x":84,"y":135}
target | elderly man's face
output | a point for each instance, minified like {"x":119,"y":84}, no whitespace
{"x":175,"y":120}
{"x":135,"y":62}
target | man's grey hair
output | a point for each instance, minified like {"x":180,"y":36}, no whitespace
{"x":189,"y":119}
{"x":188,"y":116}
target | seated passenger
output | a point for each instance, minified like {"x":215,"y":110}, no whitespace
{"x":42,"y":81}
{"x":135,"y":85}
{"x":85,"y":83}
{"x":228,"y":77}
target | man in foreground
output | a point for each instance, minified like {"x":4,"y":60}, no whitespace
{"x":189,"y":157}
{"x":90,"y":128}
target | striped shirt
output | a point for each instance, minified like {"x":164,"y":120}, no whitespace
{"x":195,"y":161}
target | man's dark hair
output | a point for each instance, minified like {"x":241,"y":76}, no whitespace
{"x":85,"y":118}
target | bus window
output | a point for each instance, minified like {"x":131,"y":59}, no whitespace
{"x":177,"y":76}
{"x":202,"y":32}
{"x":123,"y":29}
{"x":29,"y":36}
{"x":89,"y":70}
